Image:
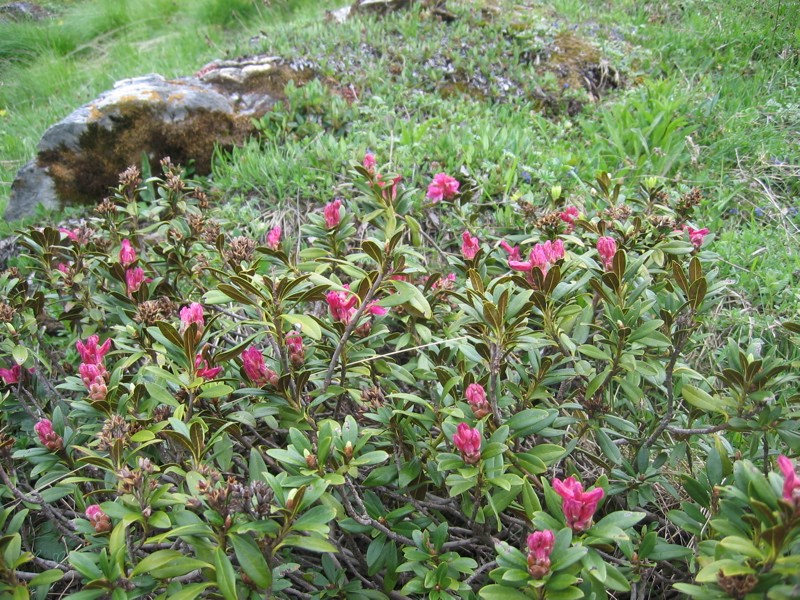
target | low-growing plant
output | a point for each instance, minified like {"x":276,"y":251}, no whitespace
{"x":374,"y":404}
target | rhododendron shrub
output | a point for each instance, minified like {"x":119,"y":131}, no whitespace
{"x":409,"y":400}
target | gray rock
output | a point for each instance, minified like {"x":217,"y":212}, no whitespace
{"x":22,"y":11}
{"x":80,"y":158}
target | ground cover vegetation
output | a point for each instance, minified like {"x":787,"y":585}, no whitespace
{"x":498,"y":306}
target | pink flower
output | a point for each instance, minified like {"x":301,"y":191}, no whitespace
{"x":569,"y":215}
{"x":333,"y":214}
{"x":73,"y":235}
{"x":513,"y":253}
{"x":468,"y":441}
{"x":202,"y":369}
{"x":294,"y":344}
{"x":255,"y":368}
{"x":696,"y":235}
{"x":274,"y":238}
{"x":127,"y":254}
{"x":90,"y":352}
{"x":342,"y":305}
{"x":445,"y":283}
{"x":391,"y":193}
{"x":134,"y":278}
{"x":98,"y":519}
{"x":540,"y":546}
{"x":476,"y":396}
{"x":192,"y":314}
{"x":607,"y":248}
{"x":470,"y":245}
{"x":376,"y":310}
{"x":541,"y":256}
{"x":369,"y":162}
{"x":11,"y":375}
{"x":578,"y":506}
{"x":791,"y":483}
{"x":47,"y":435}
{"x":63,"y":267}
{"x":443,"y":187}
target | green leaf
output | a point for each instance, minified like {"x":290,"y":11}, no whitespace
{"x":171,"y":561}
{"x":621,"y":518}
{"x":312,"y":543}
{"x":728,"y":566}
{"x":501,"y":592}
{"x":252,"y":560}
{"x":307,"y":323}
{"x":226,"y":577}
{"x":20,"y":354}
{"x":410,"y":294}
{"x":741,"y":546}
{"x":701,"y":399}
{"x":47,"y":577}
{"x":190,"y":592}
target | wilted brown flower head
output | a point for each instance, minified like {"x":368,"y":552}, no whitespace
{"x":115,"y":428}
{"x":240,"y":249}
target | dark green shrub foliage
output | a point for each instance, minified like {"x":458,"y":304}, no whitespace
{"x":386,"y":402}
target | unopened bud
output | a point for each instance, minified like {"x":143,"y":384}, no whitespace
{"x":348,"y":450}
{"x":311,"y":460}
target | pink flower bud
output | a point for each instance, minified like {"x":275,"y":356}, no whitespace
{"x":294,"y":345}
{"x":578,"y":506}
{"x":376,"y":310}
{"x":255,"y":368}
{"x":98,"y":519}
{"x":333,"y":214}
{"x":127,"y":254}
{"x":468,"y":442}
{"x":47,"y":435}
{"x":470,"y":245}
{"x":369,"y":162}
{"x":90,"y":352}
{"x":607,"y":248}
{"x":791,"y":483}
{"x":476,"y":396}
{"x":540,"y":546}
{"x":92,"y":372}
{"x":274,"y":238}
{"x":443,"y":187}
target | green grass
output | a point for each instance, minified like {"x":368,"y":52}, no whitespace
{"x":709,"y":100}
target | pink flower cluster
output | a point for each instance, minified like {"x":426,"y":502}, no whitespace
{"x":443,"y":187}
{"x":193,"y":314}
{"x":256,"y":369}
{"x":388,"y":189}
{"x":469,"y":245}
{"x":47,"y":436}
{"x":578,"y":506}
{"x":569,"y":216}
{"x":274,"y":238}
{"x":468,"y":441}
{"x":79,"y":236}
{"x":92,"y":368}
{"x":202,"y":369}
{"x":791,"y":482}
{"x":696,"y":236}
{"x":294,"y":346}
{"x":476,"y":396}
{"x":343,"y":305}
{"x":11,"y":375}
{"x":98,"y":519}
{"x":540,"y":546}
{"x":134,"y":276}
{"x":333,"y":213}
{"x":542,"y":256}
{"x":607,"y":248}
